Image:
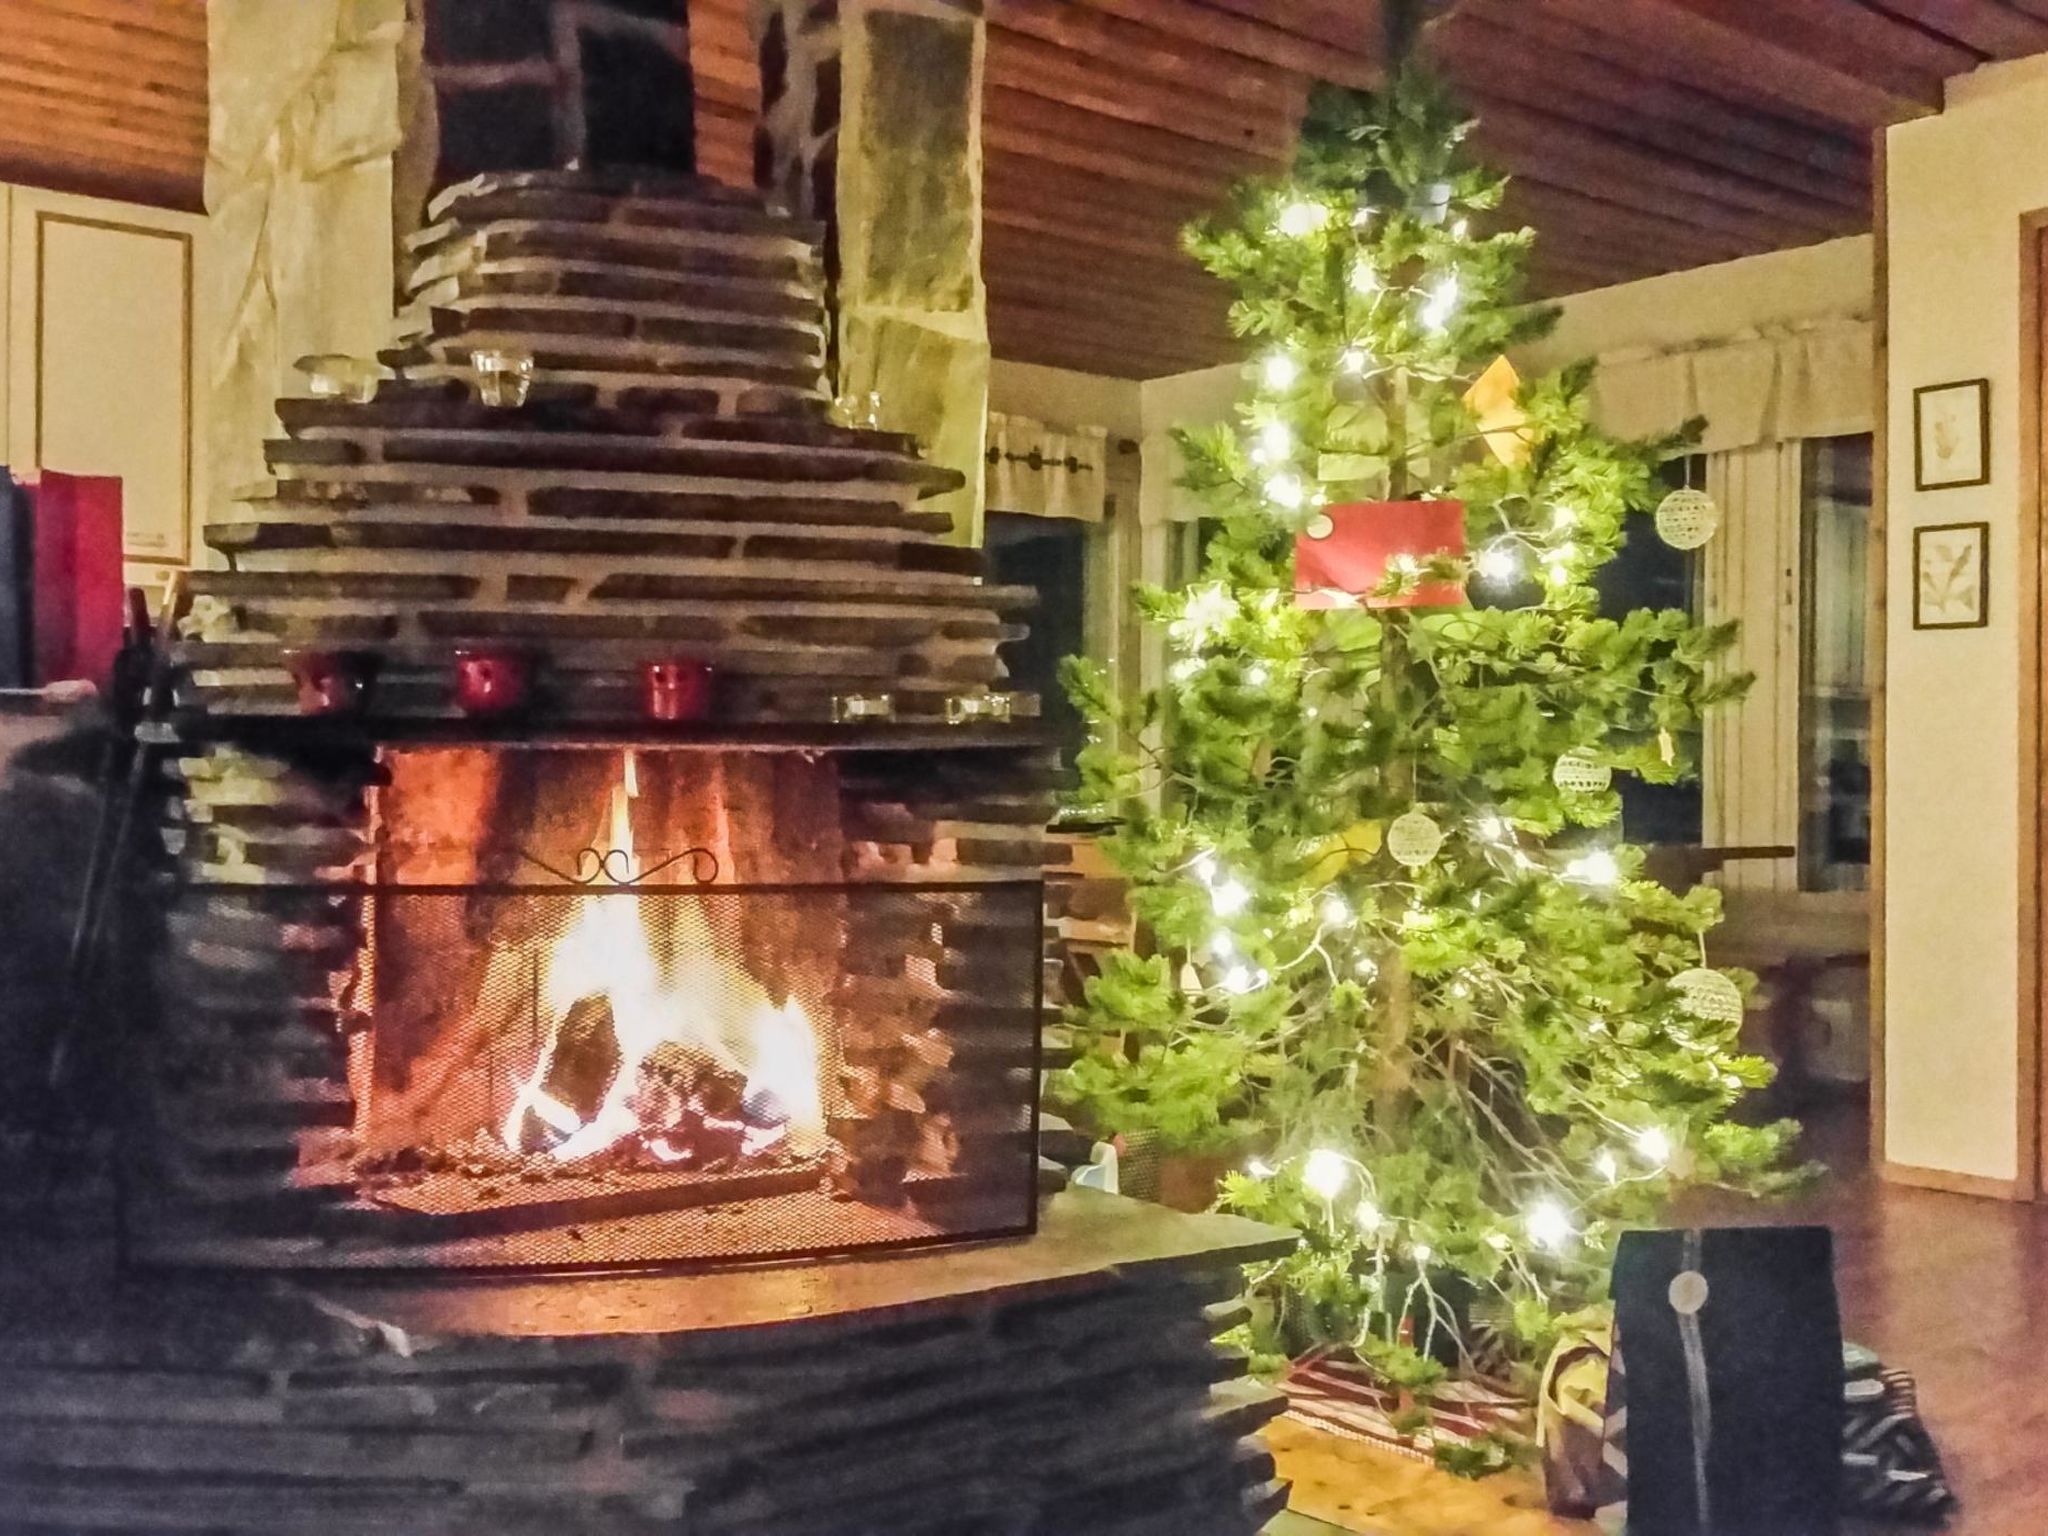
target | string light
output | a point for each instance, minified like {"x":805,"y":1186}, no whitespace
{"x":1336,"y":912}
{"x":1258,"y":677}
{"x":1423,"y":1253}
{"x":1361,"y":216}
{"x":1441,"y":304}
{"x":1238,"y":981}
{"x":1549,"y":1226}
{"x":1654,"y":1144}
{"x":1354,"y":359}
{"x":1282,"y":371}
{"x":1365,"y":277}
{"x":1276,"y":441}
{"x":1607,"y":1168}
{"x":1302,"y":218}
{"x":1204,"y":866}
{"x":1222,"y":947}
{"x":1287,"y":491}
{"x":1367,"y":967}
{"x":1494,"y":828}
{"x":1462,"y":228}
{"x":1368,"y":1218}
{"x":1563,"y":517}
{"x":1596,"y":868}
{"x":1259,"y":1168}
{"x":1187,"y":671}
{"x":1497,"y":564}
{"x":1325,"y":1173}
{"x":1231,"y":897}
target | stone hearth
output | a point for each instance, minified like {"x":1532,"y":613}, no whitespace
{"x":1062,"y":1386}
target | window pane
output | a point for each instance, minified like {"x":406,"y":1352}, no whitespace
{"x":1834,"y":667}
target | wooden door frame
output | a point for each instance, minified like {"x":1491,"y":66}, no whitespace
{"x":2033,"y":838}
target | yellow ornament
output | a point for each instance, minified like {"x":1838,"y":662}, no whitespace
{"x":1339,"y":851}
{"x":1494,"y":400}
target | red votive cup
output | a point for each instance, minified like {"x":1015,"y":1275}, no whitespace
{"x":332,"y":682}
{"x":676,"y":691}
{"x":492,"y":680}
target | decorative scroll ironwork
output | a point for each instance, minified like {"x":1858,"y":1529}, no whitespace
{"x":614,"y":867}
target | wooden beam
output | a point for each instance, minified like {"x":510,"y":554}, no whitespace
{"x":55,"y":41}
{"x":23,"y":88}
{"x":86,"y":177}
{"x":1023,"y":125}
{"x":1022,"y":63}
{"x":1544,"y":205}
{"x":38,"y":135}
{"x":1840,"y":37}
{"x":179,"y":21}
{"x":1536,"y":138}
{"x":1678,"y":40}
{"x":1495,"y":62}
{"x":1093,"y":33}
{"x":1249,"y":38}
{"x":1996,"y":30}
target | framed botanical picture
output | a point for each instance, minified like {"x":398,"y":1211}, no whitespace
{"x":1952,"y":435}
{"x":1952,"y":576}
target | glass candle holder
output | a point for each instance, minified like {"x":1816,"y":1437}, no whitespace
{"x":862,"y":708}
{"x":492,"y":680}
{"x":976,"y":708}
{"x":332,"y":682}
{"x":504,"y":377}
{"x":674,"y":692}
{"x":336,"y":376}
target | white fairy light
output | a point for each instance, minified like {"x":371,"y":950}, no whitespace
{"x":1187,"y":671}
{"x":1563,"y":517}
{"x":1259,"y":1168}
{"x":1204,"y":866}
{"x":1222,"y":946}
{"x":1365,"y":277}
{"x":1276,"y":440}
{"x":1287,"y":491}
{"x":1206,"y":611}
{"x":1499,"y":1242}
{"x":1607,"y":1167}
{"x":1336,"y":911}
{"x":1653,"y":1143}
{"x":1462,"y":228}
{"x":1281,"y":371}
{"x":1361,"y":215}
{"x":1441,"y":304}
{"x":1301,"y":218}
{"x":1325,"y":1173}
{"x":1368,"y":1218}
{"x":1367,"y":967}
{"x":1497,"y":564}
{"x":1598,"y":867}
{"x":1423,"y":1253}
{"x":1353,"y":359}
{"x":1258,"y":677}
{"x":1549,"y":1226}
{"x":1231,"y":897}
{"x":1494,"y":828}
{"x":1238,"y":980}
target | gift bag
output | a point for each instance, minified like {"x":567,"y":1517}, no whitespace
{"x":1734,"y":1384}
{"x":1571,"y":1425}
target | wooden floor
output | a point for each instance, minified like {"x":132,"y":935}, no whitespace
{"x":1953,"y":1289}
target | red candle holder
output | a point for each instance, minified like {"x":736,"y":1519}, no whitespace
{"x":332,"y":682}
{"x":674,"y":692}
{"x":492,"y":680}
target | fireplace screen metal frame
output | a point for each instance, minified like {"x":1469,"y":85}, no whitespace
{"x":927,"y":1014}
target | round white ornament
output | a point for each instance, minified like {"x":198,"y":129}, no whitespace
{"x":1687,"y":518}
{"x":1688,"y":1292}
{"x":1581,"y":773}
{"x":1413,"y":839}
{"x":1320,"y":526}
{"x":1708,"y":995}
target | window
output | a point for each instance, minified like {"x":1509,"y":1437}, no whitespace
{"x":1834,"y":666}
{"x":1051,"y":554}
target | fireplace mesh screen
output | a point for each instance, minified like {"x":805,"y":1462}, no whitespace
{"x":564,"y":1077}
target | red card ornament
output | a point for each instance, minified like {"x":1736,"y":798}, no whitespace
{"x":1344,"y":566}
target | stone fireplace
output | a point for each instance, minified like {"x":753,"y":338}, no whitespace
{"x":551,"y":1115}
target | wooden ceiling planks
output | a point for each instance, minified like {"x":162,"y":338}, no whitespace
{"x":1645,"y":135}
{"x":105,"y":97}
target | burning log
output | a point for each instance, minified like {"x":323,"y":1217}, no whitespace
{"x":582,"y":1064}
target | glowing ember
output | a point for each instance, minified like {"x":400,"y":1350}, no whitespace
{"x":662,"y":1042}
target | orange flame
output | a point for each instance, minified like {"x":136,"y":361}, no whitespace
{"x":687,"y":995}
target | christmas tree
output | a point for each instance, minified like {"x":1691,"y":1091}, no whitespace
{"x":1395,"y":947}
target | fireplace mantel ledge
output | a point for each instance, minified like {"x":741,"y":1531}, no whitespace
{"x":1084,"y":1236}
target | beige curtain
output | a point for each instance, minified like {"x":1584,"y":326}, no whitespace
{"x":1812,"y":380}
{"x":1047,"y":471}
{"x":1752,"y":572}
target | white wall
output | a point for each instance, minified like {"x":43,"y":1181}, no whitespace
{"x":1684,"y":309}
{"x":1957,"y":187}
{"x":100,"y":312}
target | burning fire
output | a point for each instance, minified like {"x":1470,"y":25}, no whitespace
{"x":709,"y":1067}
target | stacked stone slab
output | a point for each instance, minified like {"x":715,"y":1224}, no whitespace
{"x":1064,"y":1387}
{"x":673,"y":487}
